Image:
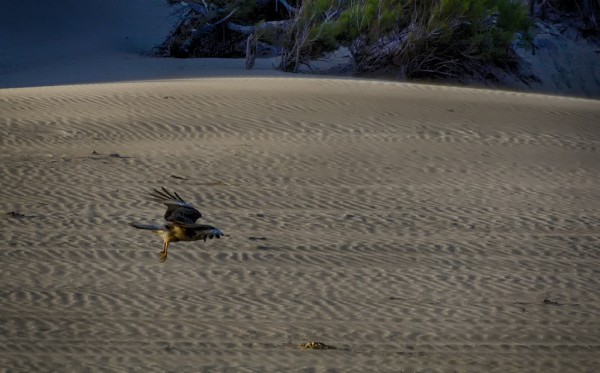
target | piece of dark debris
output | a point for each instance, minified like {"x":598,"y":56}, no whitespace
{"x":178,"y":177}
{"x":312,"y":345}
{"x":548,"y":301}
{"x":257,"y":238}
{"x":18,"y":215}
{"x":111,"y":155}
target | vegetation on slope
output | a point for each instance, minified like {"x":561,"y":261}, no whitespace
{"x":426,"y":37}
{"x":417,"y":37}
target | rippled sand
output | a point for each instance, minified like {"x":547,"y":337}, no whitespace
{"x":415,"y":228}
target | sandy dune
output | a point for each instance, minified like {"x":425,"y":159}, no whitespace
{"x":416,"y":228}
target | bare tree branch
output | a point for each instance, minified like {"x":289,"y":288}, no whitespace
{"x":244,"y":29}
{"x":287,"y":6}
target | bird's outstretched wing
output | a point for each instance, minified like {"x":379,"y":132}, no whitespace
{"x":199,"y":231}
{"x":178,"y":210}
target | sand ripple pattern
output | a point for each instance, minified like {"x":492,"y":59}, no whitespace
{"x":415,"y":228}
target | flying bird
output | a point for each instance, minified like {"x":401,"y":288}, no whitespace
{"x":181,"y":224}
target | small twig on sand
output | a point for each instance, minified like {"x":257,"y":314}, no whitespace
{"x":18,"y":215}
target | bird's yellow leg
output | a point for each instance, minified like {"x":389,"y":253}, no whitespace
{"x":163,"y":254}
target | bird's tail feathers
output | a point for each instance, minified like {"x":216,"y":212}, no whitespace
{"x":151,"y":227}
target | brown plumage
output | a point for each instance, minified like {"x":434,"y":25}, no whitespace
{"x":181,"y":224}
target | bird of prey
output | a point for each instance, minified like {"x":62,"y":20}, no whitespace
{"x":181,"y":224}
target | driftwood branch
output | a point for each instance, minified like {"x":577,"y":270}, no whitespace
{"x":246,"y":30}
{"x":226,"y":17}
{"x":197,"y":7}
{"x":287,"y":6}
{"x":251,"y":43}
{"x":207,"y":28}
